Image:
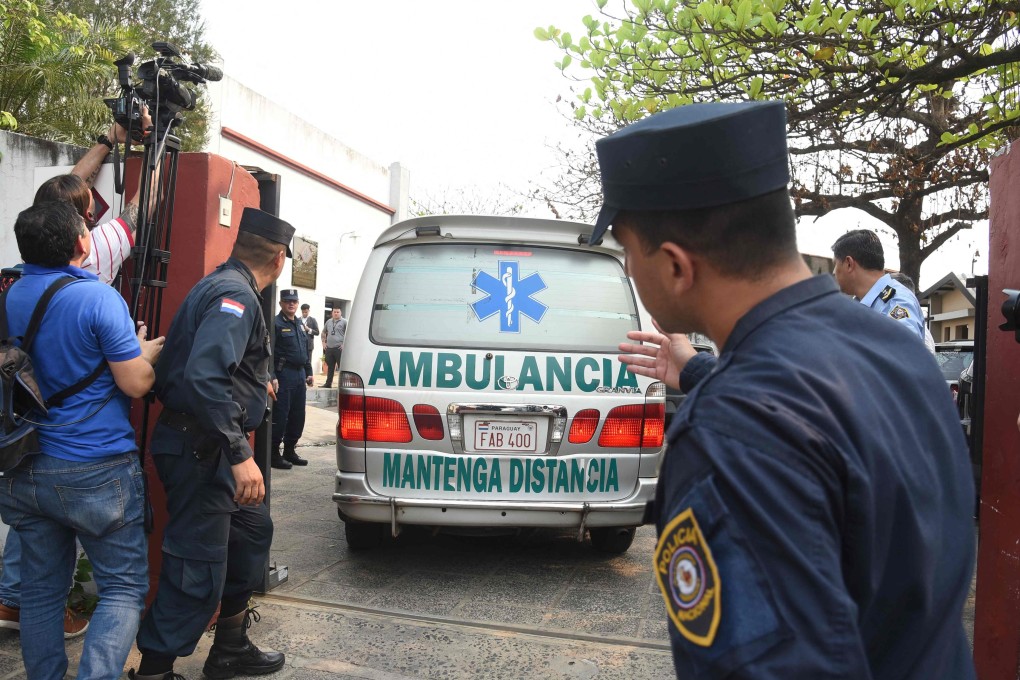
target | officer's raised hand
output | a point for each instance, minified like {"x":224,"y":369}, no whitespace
{"x":251,"y":488}
{"x":663,"y":359}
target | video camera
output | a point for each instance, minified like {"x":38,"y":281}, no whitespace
{"x":1011,"y":312}
{"x":159,"y":87}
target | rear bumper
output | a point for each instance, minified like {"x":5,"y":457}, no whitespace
{"x":359,"y":503}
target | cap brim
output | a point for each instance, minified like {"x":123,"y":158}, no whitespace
{"x":606,"y":217}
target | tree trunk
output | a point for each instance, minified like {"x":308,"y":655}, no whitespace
{"x":910,"y":254}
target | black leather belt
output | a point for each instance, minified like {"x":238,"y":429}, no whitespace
{"x":182,"y":422}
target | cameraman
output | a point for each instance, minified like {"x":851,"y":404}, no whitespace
{"x":111,"y":241}
{"x":86,"y":481}
{"x":111,"y":244}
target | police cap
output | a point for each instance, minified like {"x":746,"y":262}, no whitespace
{"x":695,"y":156}
{"x":288,"y":294}
{"x":269,"y":227}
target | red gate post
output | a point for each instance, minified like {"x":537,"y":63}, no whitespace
{"x":198,"y":243}
{"x":997,"y":610}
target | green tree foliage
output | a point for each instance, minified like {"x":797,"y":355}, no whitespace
{"x":148,"y":21}
{"x":56,"y":62}
{"x":49,"y":60}
{"x":894,"y":106}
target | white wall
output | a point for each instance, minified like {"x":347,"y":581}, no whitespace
{"x":20,"y":157}
{"x":344,"y":227}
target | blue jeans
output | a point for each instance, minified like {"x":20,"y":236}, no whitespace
{"x":49,"y":502}
{"x":10,"y":580}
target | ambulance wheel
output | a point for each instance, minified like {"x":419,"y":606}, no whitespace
{"x":364,"y":535}
{"x":614,"y":540}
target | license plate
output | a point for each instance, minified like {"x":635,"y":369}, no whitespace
{"x":506,"y":435}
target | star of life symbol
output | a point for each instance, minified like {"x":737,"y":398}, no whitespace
{"x":509,"y":296}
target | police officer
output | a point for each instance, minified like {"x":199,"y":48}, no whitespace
{"x":860,"y":272}
{"x":293,"y":375}
{"x":814,"y":504}
{"x":212,"y":382}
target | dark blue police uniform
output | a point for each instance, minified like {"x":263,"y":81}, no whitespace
{"x":293,"y":366}
{"x":814,"y":503}
{"x":211,"y":380}
{"x":811,"y":525}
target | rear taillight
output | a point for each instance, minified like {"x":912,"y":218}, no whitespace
{"x":636,"y":425}
{"x":583,"y":427}
{"x":352,"y":417}
{"x":386,"y":421}
{"x":623,"y":427}
{"x":428,"y":421}
{"x":655,"y":417}
{"x":372,"y":419}
{"x":351,"y":406}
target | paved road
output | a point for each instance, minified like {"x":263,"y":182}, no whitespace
{"x":537,"y":605}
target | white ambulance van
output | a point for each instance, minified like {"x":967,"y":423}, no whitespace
{"x":481,"y":388}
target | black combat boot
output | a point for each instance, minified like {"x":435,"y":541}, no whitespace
{"x":233,"y":653}
{"x":277,"y":461}
{"x":290,"y":455}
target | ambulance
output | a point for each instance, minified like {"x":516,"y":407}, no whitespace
{"x":481,"y":388}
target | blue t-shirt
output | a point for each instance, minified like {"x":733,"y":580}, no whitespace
{"x":85,"y":323}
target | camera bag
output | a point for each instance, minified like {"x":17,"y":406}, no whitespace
{"x":19,"y":391}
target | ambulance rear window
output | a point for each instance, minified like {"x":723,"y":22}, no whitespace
{"x":503,"y":297}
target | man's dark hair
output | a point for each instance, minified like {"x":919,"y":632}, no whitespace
{"x":70,"y":188}
{"x":48,"y":232}
{"x":905,"y":280}
{"x":745,"y":239}
{"x":305,"y":306}
{"x":862,"y":245}
{"x":255,"y":251}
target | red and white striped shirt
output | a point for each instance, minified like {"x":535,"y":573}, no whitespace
{"x":111,"y":245}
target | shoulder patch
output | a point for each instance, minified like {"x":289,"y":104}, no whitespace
{"x":887,"y":293}
{"x":899,"y":312}
{"x":232,"y":307}
{"x":689,"y":579}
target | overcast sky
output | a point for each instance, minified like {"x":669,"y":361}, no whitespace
{"x":458,"y":91}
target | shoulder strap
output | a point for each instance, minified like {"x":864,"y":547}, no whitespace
{"x":33,"y":327}
{"x":57,"y":399}
{"x":4,"y":334}
{"x":40,"y":309}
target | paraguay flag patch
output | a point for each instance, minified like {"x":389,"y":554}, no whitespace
{"x":232,"y":307}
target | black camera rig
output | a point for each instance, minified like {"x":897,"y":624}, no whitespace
{"x":159,"y":86}
{"x":160,"y":89}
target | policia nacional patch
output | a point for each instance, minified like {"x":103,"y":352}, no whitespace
{"x":899,"y":312}
{"x":689,"y":579}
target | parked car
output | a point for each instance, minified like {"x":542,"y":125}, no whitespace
{"x":481,"y":390}
{"x":953,"y":358}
